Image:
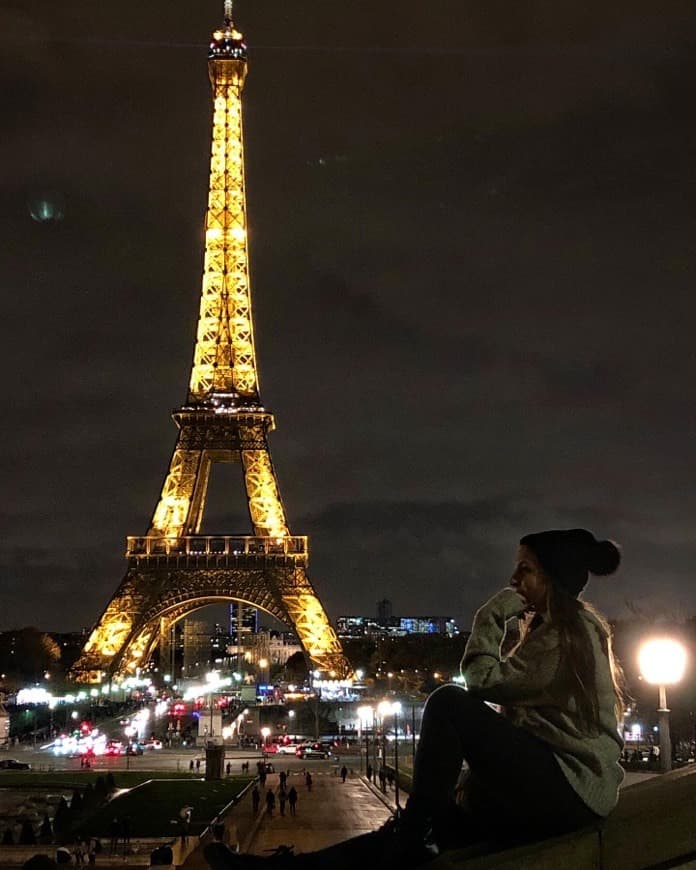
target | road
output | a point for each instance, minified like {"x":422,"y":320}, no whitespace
{"x":173,"y":760}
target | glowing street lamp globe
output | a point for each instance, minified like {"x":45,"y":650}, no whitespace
{"x":365,"y":714}
{"x":662,"y":661}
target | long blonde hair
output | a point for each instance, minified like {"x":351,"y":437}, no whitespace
{"x":577,"y":659}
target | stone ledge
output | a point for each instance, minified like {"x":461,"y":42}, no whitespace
{"x":653,"y":825}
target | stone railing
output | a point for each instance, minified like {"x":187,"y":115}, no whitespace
{"x":652,"y":827}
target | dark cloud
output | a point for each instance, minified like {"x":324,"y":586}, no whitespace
{"x":472,"y":260}
{"x":448,"y":557}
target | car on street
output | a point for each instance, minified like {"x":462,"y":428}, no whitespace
{"x":13,"y":764}
{"x":312,"y":752}
{"x":286,"y":749}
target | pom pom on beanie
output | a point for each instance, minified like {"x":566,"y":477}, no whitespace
{"x":568,"y":555}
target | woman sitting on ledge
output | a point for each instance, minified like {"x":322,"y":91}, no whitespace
{"x":548,"y":763}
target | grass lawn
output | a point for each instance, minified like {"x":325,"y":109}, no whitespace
{"x":153,"y":808}
{"x":70,"y":779}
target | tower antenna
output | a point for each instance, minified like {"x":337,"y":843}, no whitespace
{"x":228,"y":12}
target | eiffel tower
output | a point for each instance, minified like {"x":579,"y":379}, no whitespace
{"x":174,"y":570}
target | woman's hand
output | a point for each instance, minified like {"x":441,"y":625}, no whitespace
{"x":507,"y":603}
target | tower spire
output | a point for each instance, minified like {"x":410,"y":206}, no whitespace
{"x":228,"y":13}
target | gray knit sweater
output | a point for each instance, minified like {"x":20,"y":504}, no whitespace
{"x":530,"y":685}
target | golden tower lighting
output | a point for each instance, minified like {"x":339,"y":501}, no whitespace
{"x":174,"y":570}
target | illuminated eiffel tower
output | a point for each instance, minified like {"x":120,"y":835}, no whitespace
{"x":174,"y":570}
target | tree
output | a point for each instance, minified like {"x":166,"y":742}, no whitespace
{"x":296,"y":670}
{"x":26,"y":654}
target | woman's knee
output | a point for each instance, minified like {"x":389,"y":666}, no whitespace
{"x":444,"y":697}
{"x":450,"y":698}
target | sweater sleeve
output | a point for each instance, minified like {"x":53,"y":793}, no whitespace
{"x":523,"y":675}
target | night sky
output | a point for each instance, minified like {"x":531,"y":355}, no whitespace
{"x":473,"y":250}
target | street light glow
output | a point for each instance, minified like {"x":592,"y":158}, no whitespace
{"x":365,"y":714}
{"x":662,"y":661}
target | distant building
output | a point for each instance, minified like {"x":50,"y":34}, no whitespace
{"x":244,"y":619}
{"x":353,"y":627}
{"x":275,"y":647}
{"x":384,"y":612}
{"x":196,"y":658}
{"x":429,"y":625}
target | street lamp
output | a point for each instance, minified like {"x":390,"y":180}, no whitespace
{"x":365,"y":715}
{"x":662,"y":662}
{"x":265,"y":733}
{"x":391,"y":708}
{"x":211,"y":679}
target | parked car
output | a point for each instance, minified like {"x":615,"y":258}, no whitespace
{"x":287,"y":749}
{"x":13,"y":764}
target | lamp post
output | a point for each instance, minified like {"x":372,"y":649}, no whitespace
{"x":396,"y":709}
{"x":364,"y":716}
{"x":265,"y":733}
{"x":383,"y":708}
{"x":211,"y":679}
{"x":662,"y":662}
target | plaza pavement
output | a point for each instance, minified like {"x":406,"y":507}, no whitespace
{"x":331,"y":812}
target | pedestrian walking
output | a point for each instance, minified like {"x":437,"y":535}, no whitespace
{"x":390,"y":777}
{"x":344,"y":773}
{"x":270,"y":802}
{"x":191,"y":765}
{"x":292,"y":799}
{"x":228,"y":768}
{"x":282,"y":798}
{"x":283,"y":778}
{"x":308,"y":780}
{"x":368,"y":772}
{"x":383,"y":779}
{"x":114,"y":831}
{"x":255,"y":800}
{"x":198,"y":764}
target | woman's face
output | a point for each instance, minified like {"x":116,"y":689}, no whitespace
{"x":529,"y":579}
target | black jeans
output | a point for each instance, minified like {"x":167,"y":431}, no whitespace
{"x":515,"y":788}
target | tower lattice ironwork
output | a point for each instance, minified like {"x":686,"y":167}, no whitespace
{"x":174,"y":570}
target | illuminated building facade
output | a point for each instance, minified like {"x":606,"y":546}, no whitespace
{"x":244,"y":620}
{"x":174,"y":570}
{"x":353,"y":627}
